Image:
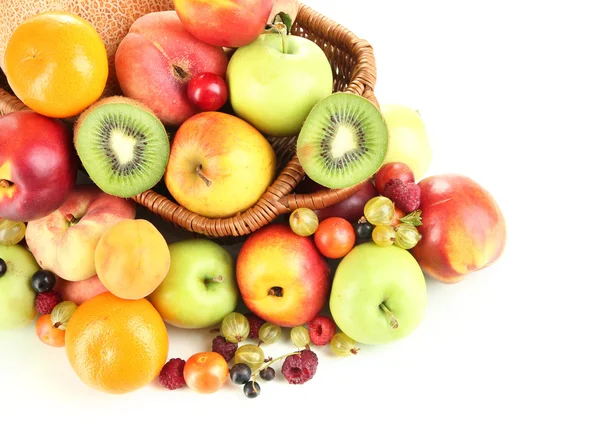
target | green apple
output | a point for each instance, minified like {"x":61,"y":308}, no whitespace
{"x":378,"y":294}
{"x":200,"y":288}
{"x":407,"y":138}
{"x":17,"y":298}
{"x":276,"y":80}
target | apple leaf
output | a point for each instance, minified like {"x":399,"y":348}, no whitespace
{"x":284,"y":18}
{"x":413,"y":218}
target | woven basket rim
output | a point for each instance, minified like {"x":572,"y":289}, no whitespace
{"x":279,"y":199}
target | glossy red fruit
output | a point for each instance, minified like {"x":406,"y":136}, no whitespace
{"x":208,"y":92}
{"x":393,"y":170}
{"x":351,"y":209}
{"x":335,"y":237}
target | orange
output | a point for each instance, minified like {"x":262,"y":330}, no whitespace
{"x":116,"y":345}
{"x":56,"y":63}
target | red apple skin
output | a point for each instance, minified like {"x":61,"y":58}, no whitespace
{"x":79,"y":291}
{"x":38,"y":164}
{"x":388,"y":171}
{"x":275,"y":256}
{"x":463,"y":228}
{"x":227,"y":24}
{"x":157,"y":59}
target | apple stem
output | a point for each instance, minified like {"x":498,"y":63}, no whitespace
{"x":5,"y":184}
{"x":282,"y":29}
{"x":388,"y":313}
{"x":201,"y":175}
{"x":217,"y":279}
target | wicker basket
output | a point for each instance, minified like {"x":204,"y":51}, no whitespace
{"x":353,"y":64}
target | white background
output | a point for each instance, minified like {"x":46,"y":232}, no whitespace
{"x":509,"y":93}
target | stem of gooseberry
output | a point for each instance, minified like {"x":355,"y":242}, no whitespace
{"x":272,"y":361}
{"x":388,"y":313}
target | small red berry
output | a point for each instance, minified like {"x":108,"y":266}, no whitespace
{"x":45,"y":302}
{"x":207,"y":91}
{"x":300,"y":368}
{"x":406,"y":196}
{"x":321,"y":330}
{"x":224,"y":348}
{"x":171,"y":375}
{"x":255,"y":324}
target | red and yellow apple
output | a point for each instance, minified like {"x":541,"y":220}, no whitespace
{"x":224,"y":23}
{"x":282,"y":277}
{"x":157,"y":59}
{"x":65,"y":241}
{"x":38,"y":166}
{"x":219,"y":165}
{"x":79,"y":291}
{"x":463,"y":228}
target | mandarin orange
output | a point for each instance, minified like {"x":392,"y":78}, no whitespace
{"x":116,"y":345}
{"x":56,"y":63}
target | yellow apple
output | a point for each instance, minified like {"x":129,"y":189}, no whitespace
{"x":408,"y":141}
{"x":219,"y":165}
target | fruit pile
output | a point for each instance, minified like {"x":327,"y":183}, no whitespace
{"x":198,"y":102}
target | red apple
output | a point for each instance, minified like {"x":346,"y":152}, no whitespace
{"x":38,"y":165}
{"x":463,"y":228}
{"x":388,"y":171}
{"x":65,"y":241}
{"x":282,"y":277}
{"x":230,"y":23}
{"x":156,"y":61}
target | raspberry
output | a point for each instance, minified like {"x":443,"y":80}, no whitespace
{"x":45,"y":302}
{"x":171,"y":375}
{"x":321,"y":330}
{"x":406,"y":196}
{"x":299,"y":369}
{"x":255,"y":324}
{"x":224,"y":348}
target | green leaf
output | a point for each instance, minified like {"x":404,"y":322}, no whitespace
{"x":413,"y":218}
{"x":284,"y":18}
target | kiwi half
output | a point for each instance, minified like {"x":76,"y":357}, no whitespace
{"x":122,"y":145}
{"x":343,"y":141}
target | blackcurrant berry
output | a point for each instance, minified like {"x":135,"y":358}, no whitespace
{"x":3,"y":267}
{"x":240,"y":373}
{"x":267,"y":374}
{"x":252,"y":389}
{"x":43,"y":281}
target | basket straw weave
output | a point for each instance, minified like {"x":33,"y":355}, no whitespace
{"x":353,"y":64}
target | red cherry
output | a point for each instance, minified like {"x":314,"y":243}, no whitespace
{"x":207,"y":91}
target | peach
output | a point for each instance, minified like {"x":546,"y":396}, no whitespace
{"x":224,"y":23}
{"x":463,"y":228}
{"x":79,"y":291}
{"x":157,"y":59}
{"x":65,"y":240}
{"x":132,"y":259}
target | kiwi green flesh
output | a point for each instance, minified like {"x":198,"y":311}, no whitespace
{"x":343,"y":141}
{"x":123,"y":148}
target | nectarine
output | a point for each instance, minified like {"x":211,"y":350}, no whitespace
{"x":463,"y":228}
